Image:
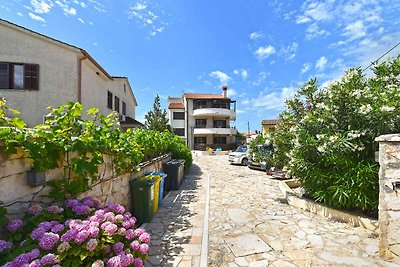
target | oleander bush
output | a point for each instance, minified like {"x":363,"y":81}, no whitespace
{"x":78,"y":233}
{"x":326,"y":137}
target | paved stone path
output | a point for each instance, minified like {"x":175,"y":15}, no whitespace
{"x":250,"y":225}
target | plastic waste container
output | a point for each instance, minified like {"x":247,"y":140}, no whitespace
{"x":174,"y":170}
{"x":156,"y":189}
{"x":142,"y":196}
{"x":162,"y":185}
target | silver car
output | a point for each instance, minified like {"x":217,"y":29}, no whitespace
{"x":239,"y":156}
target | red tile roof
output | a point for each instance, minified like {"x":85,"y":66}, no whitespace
{"x":204,"y":96}
{"x":176,"y":105}
{"x":270,"y":122}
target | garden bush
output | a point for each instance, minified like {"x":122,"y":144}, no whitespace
{"x":78,"y":233}
{"x":326,"y":137}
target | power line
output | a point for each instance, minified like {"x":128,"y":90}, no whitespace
{"x":387,"y":52}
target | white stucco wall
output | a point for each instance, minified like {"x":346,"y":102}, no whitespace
{"x":58,"y":68}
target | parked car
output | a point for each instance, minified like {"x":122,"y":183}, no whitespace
{"x":239,"y":156}
{"x":258,"y":158}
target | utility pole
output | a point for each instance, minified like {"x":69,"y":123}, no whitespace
{"x":248,"y":128}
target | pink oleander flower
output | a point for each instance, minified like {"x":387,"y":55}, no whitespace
{"x":91,"y":244}
{"x":35,"y":209}
{"x":145,"y":238}
{"x":14,"y":225}
{"x":48,"y":240}
{"x":144,"y":248}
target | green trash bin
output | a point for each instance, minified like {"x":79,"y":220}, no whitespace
{"x":142,"y":195}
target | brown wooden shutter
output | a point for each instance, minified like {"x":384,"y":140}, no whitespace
{"x":31,"y":76}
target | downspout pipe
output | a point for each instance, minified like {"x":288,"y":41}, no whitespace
{"x":79,"y":89}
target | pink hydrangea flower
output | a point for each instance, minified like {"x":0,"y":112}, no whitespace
{"x":145,"y":238}
{"x":48,"y":241}
{"x":14,"y":225}
{"x":144,"y":248}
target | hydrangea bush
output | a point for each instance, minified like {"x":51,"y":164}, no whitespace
{"x":81,"y":233}
{"x":327,"y":135}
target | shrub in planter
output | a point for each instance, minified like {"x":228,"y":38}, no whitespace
{"x":80,"y":233}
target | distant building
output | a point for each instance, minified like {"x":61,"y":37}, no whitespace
{"x":269,"y":125}
{"x":37,"y":71}
{"x":203,"y":120}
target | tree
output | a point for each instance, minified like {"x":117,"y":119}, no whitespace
{"x":156,"y":119}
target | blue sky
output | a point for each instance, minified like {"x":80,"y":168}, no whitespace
{"x":263,"y":50}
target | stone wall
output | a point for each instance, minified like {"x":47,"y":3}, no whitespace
{"x":17,"y":195}
{"x":389,"y":197}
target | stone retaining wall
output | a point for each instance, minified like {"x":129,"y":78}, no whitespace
{"x":16,"y":194}
{"x":389,"y":197}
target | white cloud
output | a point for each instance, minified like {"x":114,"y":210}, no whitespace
{"x":95,"y":44}
{"x":36,"y":17}
{"x":68,"y":11}
{"x":231,"y":92}
{"x":263,"y":52}
{"x":81,"y":20}
{"x":314,"y":31}
{"x":355,"y":30}
{"x":223,"y":77}
{"x":321,"y":63}
{"x":255,"y":35}
{"x":306,"y":67}
{"x":318,"y":11}
{"x":302,"y":20}
{"x":20,"y":14}
{"x":41,"y":6}
{"x":290,"y":51}
{"x":242,"y":73}
{"x":270,"y":100}
{"x":261,"y":78}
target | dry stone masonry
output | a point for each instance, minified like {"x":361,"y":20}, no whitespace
{"x":389,"y":197}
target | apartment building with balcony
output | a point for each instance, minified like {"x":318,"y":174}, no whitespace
{"x":203,"y":120}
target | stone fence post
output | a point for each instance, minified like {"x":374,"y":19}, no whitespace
{"x":389,"y":196}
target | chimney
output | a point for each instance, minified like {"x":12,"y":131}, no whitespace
{"x":225,"y":89}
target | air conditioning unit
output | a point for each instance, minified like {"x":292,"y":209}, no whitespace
{"x":122,"y":117}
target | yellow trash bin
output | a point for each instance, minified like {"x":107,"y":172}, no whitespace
{"x":157,"y":179}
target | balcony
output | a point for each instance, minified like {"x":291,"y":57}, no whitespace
{"x":215,"y":112}
{"x":206,"y":131}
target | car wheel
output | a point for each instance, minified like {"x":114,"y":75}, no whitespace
{"x":245,"y":161}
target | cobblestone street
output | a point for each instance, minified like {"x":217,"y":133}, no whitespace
{"x":249,"y":224}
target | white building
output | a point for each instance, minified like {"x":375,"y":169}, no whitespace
{"x":203,"y":120}
{"x":37,"y":71}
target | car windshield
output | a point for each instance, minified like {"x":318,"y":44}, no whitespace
{"x":241,"y":149}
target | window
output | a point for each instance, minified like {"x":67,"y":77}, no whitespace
{"x":220,"y":140}
{"x":220,"y":104}
{"x":201,"y":123}
{"x":200,"y":140}
{"x":219,"y":124}
{"x":124,"y":88}
{"x":109,"y":100}
{"x":200,"y":104}
{"x":178,"y":115}
{"x":116,"y":104}
{"x":179,"y":131}
{"x":123,"y":108}
{"x":19,"y":76}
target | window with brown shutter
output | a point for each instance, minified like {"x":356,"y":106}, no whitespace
{"x":19,"y":76}
{"x":116,"y":104}
{"x":123,"y":108}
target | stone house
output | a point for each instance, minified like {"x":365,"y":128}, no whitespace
{"x":37,"y":71}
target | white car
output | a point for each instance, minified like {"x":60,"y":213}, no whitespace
{"x":239,"y":156}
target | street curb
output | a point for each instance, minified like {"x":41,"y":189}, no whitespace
{"x":204,"y":242}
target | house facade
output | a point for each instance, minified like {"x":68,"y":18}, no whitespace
{"x":203,"y":120}
{"x":37,"y":71}
{"x":269,"y":126}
